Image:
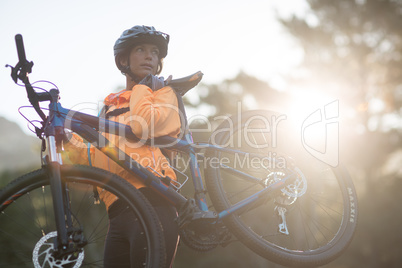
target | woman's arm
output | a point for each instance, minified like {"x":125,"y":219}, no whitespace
{"x":154,"y":113}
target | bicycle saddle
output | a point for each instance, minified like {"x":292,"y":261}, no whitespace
{"x":182,"y":85}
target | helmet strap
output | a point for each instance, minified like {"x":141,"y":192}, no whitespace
{"x":127,"y":70}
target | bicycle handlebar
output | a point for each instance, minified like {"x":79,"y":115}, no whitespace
{"x":21,"y":71}
{"x":20,"y":48}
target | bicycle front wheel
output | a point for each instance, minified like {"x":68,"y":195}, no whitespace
{"x":27,"y":223}
{"x":307,"y":223}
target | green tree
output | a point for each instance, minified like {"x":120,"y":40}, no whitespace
{"x":231,"y":96}
{"x":353,"y":51}
{"x":355,"y":43}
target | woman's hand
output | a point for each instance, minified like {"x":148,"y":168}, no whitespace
{"x":154,"y":82}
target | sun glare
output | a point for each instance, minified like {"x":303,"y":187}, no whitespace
{"x":306,"y":102}
{"x":314,"y":118}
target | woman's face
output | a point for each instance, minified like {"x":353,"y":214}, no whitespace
{"x":144,"y":60}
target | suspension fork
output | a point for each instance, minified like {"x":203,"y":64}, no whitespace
{"x":58,"y":191}
{"x":67,"y":206}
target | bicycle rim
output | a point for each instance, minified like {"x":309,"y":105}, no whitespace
{"x":309,"y":222}
{"x":27,"y":227}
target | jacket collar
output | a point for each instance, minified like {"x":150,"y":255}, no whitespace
{"x":118,"y":98}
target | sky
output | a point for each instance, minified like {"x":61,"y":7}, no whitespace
{"x":71,"y":44}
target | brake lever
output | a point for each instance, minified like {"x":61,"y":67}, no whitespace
{"x":21,"y":71}
{"x":23,"y":67}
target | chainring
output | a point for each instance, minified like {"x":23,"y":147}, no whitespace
{"x":204,"y":237}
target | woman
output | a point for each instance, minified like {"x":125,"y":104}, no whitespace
{"x":151,"y":110}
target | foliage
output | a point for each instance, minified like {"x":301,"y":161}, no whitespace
{"x":7,"y":176}
{"x":353,"y":47}
{"x":244,"y":90}
{"x":232,"y":96}
{"x":353,"y":50}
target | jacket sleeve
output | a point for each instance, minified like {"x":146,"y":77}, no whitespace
{"x":154,"y":114}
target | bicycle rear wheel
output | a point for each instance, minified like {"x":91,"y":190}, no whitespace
{"x":307,"y":223}
{"x":27,"y":224}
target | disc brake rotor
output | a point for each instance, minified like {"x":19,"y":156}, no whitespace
{"x":42,"y":255}
{"x":290,"y":192}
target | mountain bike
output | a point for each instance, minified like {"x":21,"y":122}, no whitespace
{"x":252,"y":183}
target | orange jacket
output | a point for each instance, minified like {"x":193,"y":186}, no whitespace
{"x":151,"y":114}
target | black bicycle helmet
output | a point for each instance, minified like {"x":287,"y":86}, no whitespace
{"x":142,"y":34}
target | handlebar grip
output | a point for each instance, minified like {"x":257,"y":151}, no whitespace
{"x":43,"y":96}
{"x":20,"y":48}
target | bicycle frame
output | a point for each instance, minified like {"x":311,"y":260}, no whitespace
{"x":89,"y":127}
